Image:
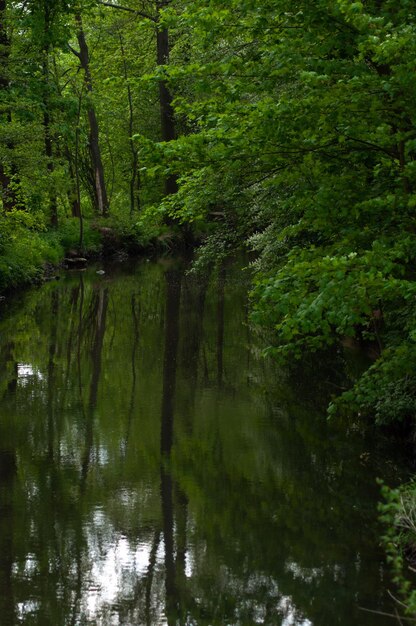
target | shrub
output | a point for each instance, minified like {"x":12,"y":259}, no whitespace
{"x":398,"y":514}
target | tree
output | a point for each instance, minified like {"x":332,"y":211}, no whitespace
{"x":303,"y":124}
{"x":8,"y":193}
{"x":99,"y":184}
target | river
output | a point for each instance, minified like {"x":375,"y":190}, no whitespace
{"x":156,"y":469}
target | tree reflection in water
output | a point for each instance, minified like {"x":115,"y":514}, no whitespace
{"x":154,"y":470}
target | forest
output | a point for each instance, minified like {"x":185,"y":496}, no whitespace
{"x":286,"y":129}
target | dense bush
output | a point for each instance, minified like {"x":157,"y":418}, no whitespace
{"x":24,"y":250}
{"x":398,"y":515}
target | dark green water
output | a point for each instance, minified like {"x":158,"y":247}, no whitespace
{"x":154,"y":470}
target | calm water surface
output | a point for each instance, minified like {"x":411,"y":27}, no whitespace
{"x":155,"y":470}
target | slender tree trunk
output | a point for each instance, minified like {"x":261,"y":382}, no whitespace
{"x":73,"y":196}
{"x":7,"y":194}
{"x":100,"y":189}
{"x":135,"y":175}
{"x":77,"y":176}
{"x":47,"y":120}
{"x":72,"y":193}
{"x":48,"y":145}
{"x":51,"y":168}
{"x":167,"y":118}
{"x":7,"y":191}
{"x":167,"y":115}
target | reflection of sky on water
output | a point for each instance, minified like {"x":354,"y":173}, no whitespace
{"x":118,"y":565}
{"x":29,"y":568}
{"x":303,"y":573}
{"x":24,"y":609}
{"x":26,"y":371}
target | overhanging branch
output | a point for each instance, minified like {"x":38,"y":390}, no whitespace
{"x":77,"y":54}
{"x":128,"y":9}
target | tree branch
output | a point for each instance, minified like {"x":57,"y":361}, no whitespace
{"x":77,"y":54}
{"x":129,"y":9}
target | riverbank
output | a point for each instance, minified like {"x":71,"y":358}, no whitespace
{"x":32,"y":255}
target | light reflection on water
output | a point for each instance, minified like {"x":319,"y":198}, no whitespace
{"x":25,"y":371}
{"x":115,"y":574}
{"x":155,"y":470}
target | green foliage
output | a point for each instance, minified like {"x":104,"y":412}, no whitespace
{"x":387,"y":390}
{"x":300,"y":133}
{"x":68,"y":236}
{"x":23,"y":251}
{"x":131,"y":235}
{"x":398,"y":515}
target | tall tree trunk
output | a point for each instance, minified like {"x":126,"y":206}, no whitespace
{"x":135,"y":174}
{"x":47,"y":119}
{"x":7,"y":191}
{"x":73,"y":195}
{"x":48,"y":144}
{"x":100,"y":189}
{"x":167,"y":115}
{"x":73,"y":198}
{"x":167,"y":118}
{"x":7,"y":194}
